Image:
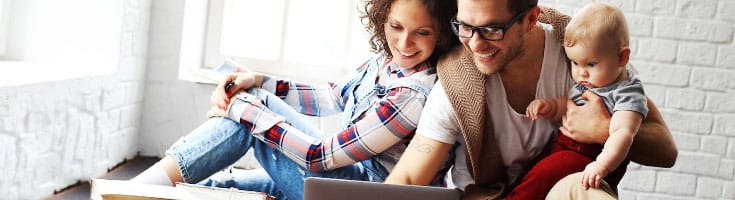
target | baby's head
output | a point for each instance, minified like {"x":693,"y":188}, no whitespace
{"x":596,"y":42}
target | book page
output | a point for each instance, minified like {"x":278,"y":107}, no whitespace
{"x":118,"y":189}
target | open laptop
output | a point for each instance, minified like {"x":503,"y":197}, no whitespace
{"x":327,"y":189}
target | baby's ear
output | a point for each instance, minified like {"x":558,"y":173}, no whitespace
{"x":624,"y":56}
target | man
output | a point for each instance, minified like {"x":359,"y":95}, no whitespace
{"x":508,"y":60}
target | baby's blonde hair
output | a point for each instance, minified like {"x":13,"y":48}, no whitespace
{"x":598,"y":22}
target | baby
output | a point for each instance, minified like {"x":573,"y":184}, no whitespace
{"x":596,"y":42}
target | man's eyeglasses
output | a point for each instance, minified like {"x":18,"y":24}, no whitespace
{"x":492,"y":33}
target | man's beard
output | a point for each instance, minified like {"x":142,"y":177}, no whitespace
{"x":514,"y":52}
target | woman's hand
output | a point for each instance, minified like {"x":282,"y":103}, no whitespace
{"x":243,"y":80}
{"x":216,"y":112}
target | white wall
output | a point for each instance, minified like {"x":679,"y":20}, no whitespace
{"x":172,"y":107}
{"x":54,"y":134}
{"x":685,"y":54}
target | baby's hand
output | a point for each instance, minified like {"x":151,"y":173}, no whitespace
{"x":540,"y":107}
{"x":593,"y":174}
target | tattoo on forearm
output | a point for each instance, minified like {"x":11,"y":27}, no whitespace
{"x":420,"y":146}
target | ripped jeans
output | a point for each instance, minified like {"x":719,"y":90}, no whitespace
{"x":219,"y":142}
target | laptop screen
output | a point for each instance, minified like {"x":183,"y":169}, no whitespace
{"x":327,"y":189}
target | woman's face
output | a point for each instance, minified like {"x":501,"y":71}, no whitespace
{"x":410,"y":33}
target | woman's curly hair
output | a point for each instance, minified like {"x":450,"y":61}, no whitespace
{"x":375,"y":15}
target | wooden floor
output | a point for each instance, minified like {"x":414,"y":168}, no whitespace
{"x":124,"y":171}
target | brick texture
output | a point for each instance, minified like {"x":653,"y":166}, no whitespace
{"x":685,"y":99}
{"x":713,"y":79}
{"x":657,"y":50}
{"x":676,"y":184}
{"x":687,"y":141}
{"x":696,"y":8}
{"x":55,"y":134}
{"x":709,"y":188}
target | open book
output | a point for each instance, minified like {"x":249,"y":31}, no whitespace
{"x":117,"y":189}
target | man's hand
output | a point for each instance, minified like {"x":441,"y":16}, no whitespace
{"x":589,"y":123}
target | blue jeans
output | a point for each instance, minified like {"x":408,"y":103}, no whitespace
{"x":220,"y":142}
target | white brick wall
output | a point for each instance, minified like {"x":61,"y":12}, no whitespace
{"x":54,"y":134}
{"x":685,"y":55}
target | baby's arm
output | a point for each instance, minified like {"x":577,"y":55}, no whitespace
{"x":623,"y":127}
{"x":551,"y":109}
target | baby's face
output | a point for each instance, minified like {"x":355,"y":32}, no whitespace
{"x":594,"y":67}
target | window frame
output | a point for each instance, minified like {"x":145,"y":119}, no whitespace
{"x":4,"y":19}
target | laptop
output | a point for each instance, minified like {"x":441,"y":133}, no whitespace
{"x":327,"y":189}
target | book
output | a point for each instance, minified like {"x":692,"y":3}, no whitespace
{"x":119,"y":189}
{"x":208,"y":75}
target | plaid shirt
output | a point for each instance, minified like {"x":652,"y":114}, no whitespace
{"x":387,"y":124}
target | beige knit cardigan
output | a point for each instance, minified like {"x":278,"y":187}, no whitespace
{"x":465,"y":88}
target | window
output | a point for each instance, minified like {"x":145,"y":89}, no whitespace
{"x":47,"y":40}
{"x":316,"y":40}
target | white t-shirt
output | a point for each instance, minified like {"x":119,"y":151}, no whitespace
{"x":520,"y":139}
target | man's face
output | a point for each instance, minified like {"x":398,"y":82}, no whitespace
{"x":491,"y":56}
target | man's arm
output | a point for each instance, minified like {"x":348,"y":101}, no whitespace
{"x":420,"y":162}
{"x":653,"y":144}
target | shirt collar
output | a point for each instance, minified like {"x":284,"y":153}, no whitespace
{"x":398,"y":72}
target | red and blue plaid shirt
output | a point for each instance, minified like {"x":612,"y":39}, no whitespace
{"x":388,"y":124}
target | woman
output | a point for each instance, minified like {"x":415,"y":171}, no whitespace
{"x":380,"y":106}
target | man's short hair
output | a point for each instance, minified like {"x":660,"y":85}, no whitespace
{"x":516,"y":6}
